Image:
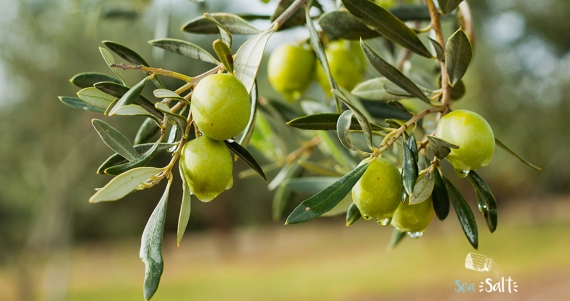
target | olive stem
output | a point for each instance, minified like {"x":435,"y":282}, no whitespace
{"x":301,"y":150}
{"x":287,"y":14}
{"x":445,"y":86}
{"x":152,"y":70}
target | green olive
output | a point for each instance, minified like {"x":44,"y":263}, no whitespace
{"x":346,"y":62}
{"x":207,"y":167}
{"x":290,"y":70}
{"x":472,"y":134}
{"x":378,"y":193}
{"x":413,"y":218}
{"x":220,"y":106}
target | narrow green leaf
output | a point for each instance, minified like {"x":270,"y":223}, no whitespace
{"x":331,"y":146}
{"x":77,"y":103}
{"x":142,"y":160}
{"x":248,"y":58}
{"x":165,"y":93}
{"x":343,"y":25}
{"x":437,"y":47}
{"x":250,"y":127}
{"x":129,"y":97}
{"x":186,"y":49}
{"x":423,"y":189}
{"x":132,"y":57}
{"x":343,"y":130}
{"x":146,"y":131}
{"x":224,"y":32}
{"x":95,"y":98}
{"x":396,"y":238}
{"x":185,"y":209}
{"x":464,"y":213}
{"x":119,"y":91}
{"x":115,"y":140}
{"x":352,"y":215}
{"x":310,"y":185}
{"x":88,"y":79}
{"x":224,"y":54}
{"x":151,"y":246}
{"x":319,"y":168}
{"x":397,"y":105}
{"x":383,"y":110}
{"x":439,"y":196}
{"x":132,"y":110}
{"x":373,"y":89}
{"x":117,"y":159}
{"x":388,"y":25}
{"x":124,"y":184}
{"x":485,"y":200}
{"x":109,"y":59}
{"x":447,"y":6}
{"x":233,"y":23}
{"x":440,"y":147}
{"x":508,"y":150}
{"x":178,"y":119}
{"x":246,"y":157}
{"x":281,"y":199}
{"x":458,"y":53}
{"x":326,"y":122}
{"x":413,"y":146}
{"x":409,"y":170}
{"x":393,"y":74}
{"x":362,"y":120}
{"x":326,"y":199}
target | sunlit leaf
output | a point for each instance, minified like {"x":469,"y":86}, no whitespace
{"x":129,"y":97}
{"x":132,"y":110}
{"x":124,"y":184}
{"x":233,"y":23}
{"x":88,"y":79}
{"x":165,"y":93}
{"x":185,"y":209}
{"x":186,"y":49}
{"x":109,"y":59}
{"x":151,"y":246}
{"x":95,"y":98}
{"x":485,"y":200}
{"x":388,"y":25}
{"x":373,"y":89}
{"x":119,"y":91}
{"x":248,"y":58}
{"x":464,"y":214}
{"x":248,"y":131}
{"x":458,"y":53}
{"x":393,"y":74}
{"x":115,"y":140}
{"x":77,"y":103}
{"x":326,"y":199}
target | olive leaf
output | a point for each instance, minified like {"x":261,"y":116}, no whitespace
{"x":319,"y":168}
{"x":248,"y":58}
{"x":241,"y":152}
{"x":362,"y":120}
{"x":326,"y":122}
{"x":115,"y":140}
{"x":165,"y":93}
{"x":129,"y":97}
{"x":440,"y":147}
{"x":110,"y":59}
{"x":117,"y":159}
{"x":119,"y":91}
{"x":326,"y":199}
{"x":437,"y":47}
{"x":281,"y":199}
{"x":77,"y":103}
{"x":224,"y":32}
{"x":132,"y":57}
{"x":508,"y":150}
{"x":250,"y":127}
{"x":352,"y":215}
{"x":409,"y":169}
{"x":373,"y":89}
{"x":124,"y":184}
{"x":393,"y":74}
{"x":388,"y":25}
{"x":439,"y":196}
{"x":151,"y":246}
{"x":383,"y":110}
{"x":447,"y":6}
{"x":233,"y":23}
{"x":95,"y":98}
{"x":464,"y":213}
{"x":485,"y":200}
{"x":146,"y":131}
{"x":343,"y":25}
{"x":185,"y":209}
{"x":88,"y":79}
{"x":142,"y":160}
{"x":423,"y":189}
{"x":186,"y":49}
{"x":177,"y":118}
{"x":343,"y":130}
{"x":396,"y":238}
{"x":225,"y":55}
{"x":458,"y":53}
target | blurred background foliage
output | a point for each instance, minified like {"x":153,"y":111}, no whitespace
{"x":519,"y":81}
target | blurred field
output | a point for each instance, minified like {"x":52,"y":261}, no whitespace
{"x":325,"y":260}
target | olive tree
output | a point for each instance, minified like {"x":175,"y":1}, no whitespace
{"x":367,"y":146}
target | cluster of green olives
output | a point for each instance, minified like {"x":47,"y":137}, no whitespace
{"x":220,"y":109}
{"x":378,"y":193}
{"x":291,"y":69}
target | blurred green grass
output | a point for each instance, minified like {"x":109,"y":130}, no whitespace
{"x":324,"y":260}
